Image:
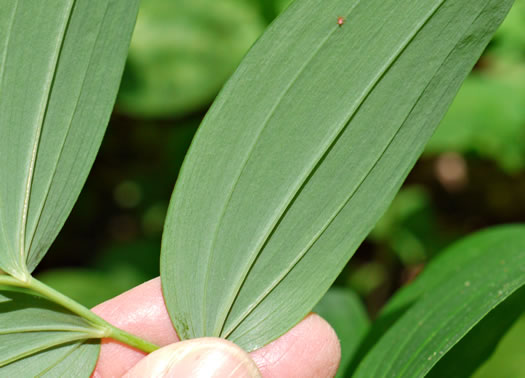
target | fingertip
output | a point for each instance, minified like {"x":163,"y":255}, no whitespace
{"x":310,"y":349}
{"x":140,"y":311}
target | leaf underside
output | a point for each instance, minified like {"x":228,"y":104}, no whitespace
{"x":38,"y":338}
{"x":302,"y":152}
{"x":60,"y":66}
{"x":449,"y":320}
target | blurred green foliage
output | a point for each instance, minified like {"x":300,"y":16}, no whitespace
{"x":343,"y":309}
{"x":183,"y":51}
{"x":472,"y":174}
{"x":488,"y":115}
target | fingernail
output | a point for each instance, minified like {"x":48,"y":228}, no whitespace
{"x":212,"y":357}
{"x":200,"y":358}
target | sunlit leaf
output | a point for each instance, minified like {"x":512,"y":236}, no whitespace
{"x":60,"y":67}
{"x":459,"y":293}
{"x":38,"y":338}
{"x":303,"y":151}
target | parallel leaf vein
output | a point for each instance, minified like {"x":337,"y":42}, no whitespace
{"x":59,"y":43}
{"x":326,"y":148}
{"x":251,"y":149}
{"x":63,"y":142}
{"x":2,"y":74}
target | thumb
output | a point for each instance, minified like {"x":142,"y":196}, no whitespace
{"x":198,"y":358}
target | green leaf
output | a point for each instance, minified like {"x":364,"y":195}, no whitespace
{"x":39,"y":338}
{"x":507,"y":360}
{"x":60,"y":66}
{"x":303,"y":151}
{"x":73,"y":360}
{"x":182,"y":52}
{"x":459,"y":290}
{"x":343,"y":309}
{"x":480,"y":343}
{"x":448,"y":263}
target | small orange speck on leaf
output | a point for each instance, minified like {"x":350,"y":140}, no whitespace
{"x":340,"y":21}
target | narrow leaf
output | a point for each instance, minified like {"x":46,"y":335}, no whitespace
{"x":448,"y":263}
{"x":303,"y":151}
{"x":38,"y":337}
{"x":60,"y":67}
{"x":481,"y":342}
{"x":451,"y":309}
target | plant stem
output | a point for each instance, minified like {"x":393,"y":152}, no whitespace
{"x":107,"y":330}
{"x":10,"y":281}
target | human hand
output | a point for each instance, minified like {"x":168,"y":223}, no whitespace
{"x":310,"y":349}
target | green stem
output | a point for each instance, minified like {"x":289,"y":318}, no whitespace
{"x":10,"y":281}
{"x":107,"y":330}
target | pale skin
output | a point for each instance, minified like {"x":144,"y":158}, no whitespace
{"x":310,"y":349}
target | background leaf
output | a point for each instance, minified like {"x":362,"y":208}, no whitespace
{"x":303,"y":151}
{"x":61,"y":63}
{"x":459,"y":293}
{"x":449,"y":262}
{"x":343,"y":309}
{"x":39,"y":338}
{"x":507,"y":360}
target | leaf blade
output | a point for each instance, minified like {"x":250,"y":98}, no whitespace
{"x":453,"y":307}
{"x":262,"y":230}
{"x":448,"y":263}
{"x":57,"y":95}
{"x":39,"y":337}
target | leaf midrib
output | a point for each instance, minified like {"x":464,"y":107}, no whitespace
{"x":59,"y":360}
{"x":38,"y":328}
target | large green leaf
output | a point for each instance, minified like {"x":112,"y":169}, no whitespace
{"x":38,"y":338}
{"x":303,"y":151}
{"x":464,"y":302}
{"x":60,"y":67}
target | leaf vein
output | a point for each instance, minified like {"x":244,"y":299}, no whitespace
{"x":326,"y":148}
